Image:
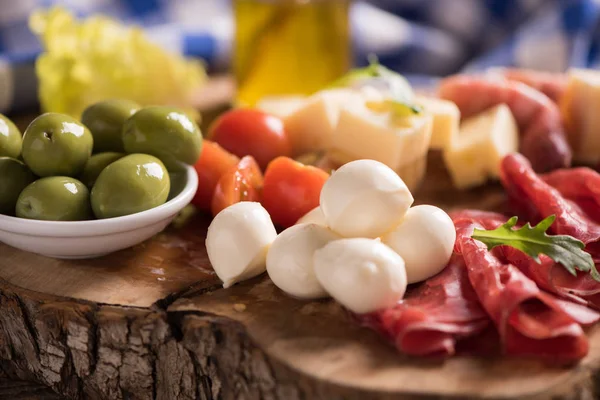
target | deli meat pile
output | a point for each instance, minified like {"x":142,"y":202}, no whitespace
{"x":502,"y":301}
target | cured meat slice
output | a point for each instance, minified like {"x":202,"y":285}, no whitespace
{"x":535,"y":199}
{"x":548,"y":275}
{"x":487,"y":219}
{"x":529,"y":321}
{"x":580,"y":185}
{"x":551,"y":84}
{"x":543,"y":139}
{"x":434,"y":315}
{"x":545,"y":274}
{"x":574,"y":197}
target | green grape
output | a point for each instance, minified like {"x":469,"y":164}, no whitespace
{"x":97,"y":59}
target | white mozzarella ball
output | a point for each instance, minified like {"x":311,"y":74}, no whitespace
{"x":290,"y":260}
{"x":314,"y":216}
{"x":237,"y":242}
{"x":364,"y":275}
{"x":425,"y":240}
{"x":364,"y":198}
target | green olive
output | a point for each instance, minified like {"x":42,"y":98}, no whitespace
{"x":14,"y":177}
{"x":56,"y":144}
{"x":96,"y":165}
{"x":135,"y":183}
{"x":11,"y":139}
{"x":55,"y":198}
{"x":105,"y":120}
{"x":165,"y":132}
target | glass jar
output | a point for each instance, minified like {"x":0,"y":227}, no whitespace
{"x":289,"y":47}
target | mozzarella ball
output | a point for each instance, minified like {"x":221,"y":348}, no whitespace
{"x":425,"y":240}
{"x":237,"y":242}
{"x":314,"y":216}
{"x":363,"y":275}
{"x":364,"y":198}
{"x":290,"y":260}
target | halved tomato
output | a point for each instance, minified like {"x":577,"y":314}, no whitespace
{"x":291,"y":189}
{"x":213,"y":163}
{"x":243,"y":182}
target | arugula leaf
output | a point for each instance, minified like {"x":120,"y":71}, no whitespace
{"x":533,"y":241}
{"x":399,"y":86}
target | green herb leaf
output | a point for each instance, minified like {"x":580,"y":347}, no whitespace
{"x":399,"y":86}
{"x":533,"y":241}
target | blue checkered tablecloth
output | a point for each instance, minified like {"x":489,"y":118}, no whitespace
{"x":420,"y":38}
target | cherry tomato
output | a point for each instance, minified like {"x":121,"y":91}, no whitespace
{"x":291,"y":189}
{"x":213,"y":163}
{"x":243,"y":182}
{"x":246,"y":131}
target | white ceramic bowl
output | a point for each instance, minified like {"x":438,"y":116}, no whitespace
{"x":88,"y":239}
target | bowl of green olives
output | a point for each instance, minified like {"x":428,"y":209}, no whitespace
{"x":84,"y":188}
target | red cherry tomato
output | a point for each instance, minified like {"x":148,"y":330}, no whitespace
{"x":291,"y":189}
{"x":246,"y":131}
{"x":213,"y":163}
{"x":243,"y":182}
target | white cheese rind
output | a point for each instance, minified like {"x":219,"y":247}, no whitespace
{"x":482,"y":142}
{"x":446,"y":120}
{"x":364,"y":198}
{"x":364,"y":275}
{"x":290,"y":260}
{"x":237,"y":242}
{"x":425,"y":240}
{"x":579,"y":107}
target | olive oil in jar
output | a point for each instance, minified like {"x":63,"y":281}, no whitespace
{"x":289,"y":46}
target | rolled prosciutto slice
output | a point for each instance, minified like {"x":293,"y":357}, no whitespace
{"x":574,"y":197}
{"x":529,"y":321}
{"x":433,"y":316}
{"x":543,"y":139}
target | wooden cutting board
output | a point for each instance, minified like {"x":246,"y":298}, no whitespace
{"x":153,"y":322}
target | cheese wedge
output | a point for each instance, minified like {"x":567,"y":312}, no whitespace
{"x":446,"y":119}
{"x":362,"y":133}
{"x":483,"y":140}
{"x":281,"y":106}
{"x":311,"y":125}
{"x":579,"y":107}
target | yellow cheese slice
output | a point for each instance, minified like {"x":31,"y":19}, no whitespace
{"x":483,"y":140}
{"x":579,"y":107}
{"x":446,"y":120}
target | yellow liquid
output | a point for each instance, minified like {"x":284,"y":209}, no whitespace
{"x":289,"y":46}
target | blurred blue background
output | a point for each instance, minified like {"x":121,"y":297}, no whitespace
{"x":414,"y":37}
